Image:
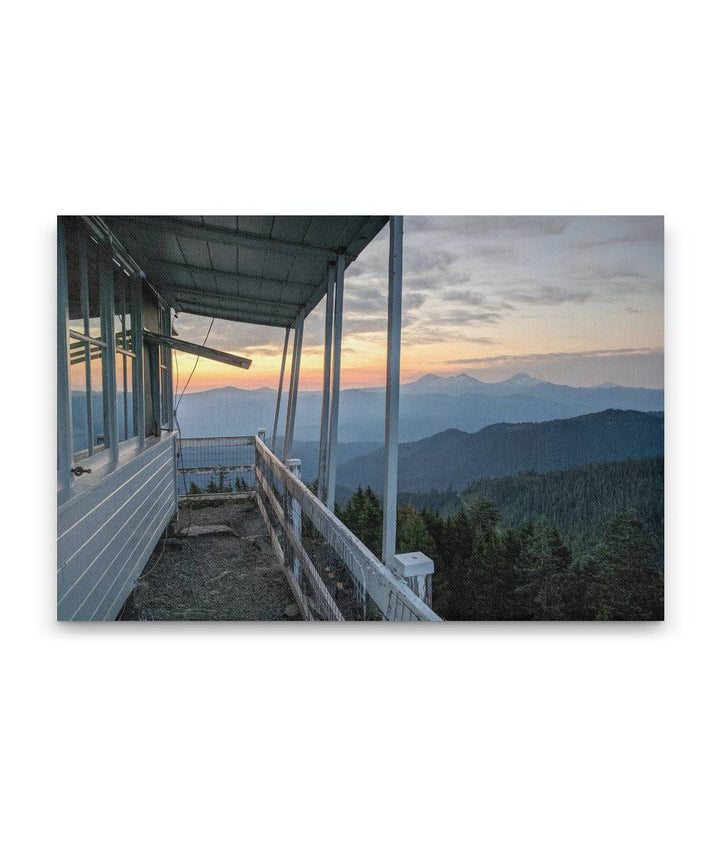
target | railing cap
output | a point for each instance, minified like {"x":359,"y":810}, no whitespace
{"x":415,"y":564}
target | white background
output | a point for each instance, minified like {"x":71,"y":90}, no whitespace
{"x":287,"y":739}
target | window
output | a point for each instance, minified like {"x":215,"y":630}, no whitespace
{"x":88,"y":350}
{"x":103,"y":310}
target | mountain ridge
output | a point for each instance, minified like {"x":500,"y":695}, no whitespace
{"x":455,"y":458}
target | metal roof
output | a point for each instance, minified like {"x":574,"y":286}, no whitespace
{"x":261,"y":270}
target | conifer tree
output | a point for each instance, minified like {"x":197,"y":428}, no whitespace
{"x":412,"y":533}
{"x":543,"y":561}
{"x":625,"y":581}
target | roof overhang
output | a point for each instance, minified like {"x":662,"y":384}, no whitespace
{"x":259,"y":270}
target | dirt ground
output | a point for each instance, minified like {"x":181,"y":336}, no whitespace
{"x":218,"y":577}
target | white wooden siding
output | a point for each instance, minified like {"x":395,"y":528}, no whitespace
{"x":107,"y":532}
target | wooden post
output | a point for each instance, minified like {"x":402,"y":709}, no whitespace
{"x":294,"y":465}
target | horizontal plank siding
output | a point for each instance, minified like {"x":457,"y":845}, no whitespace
{"x":107,"y":532}
{"x":139,"y":551}
{"x":91,"y":555}
{"x":123,"y":548}
{"x":75,"y":518}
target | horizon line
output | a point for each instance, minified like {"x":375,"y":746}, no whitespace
{"x":440,"y":377}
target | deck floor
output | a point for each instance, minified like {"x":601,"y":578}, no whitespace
{"x":213,"y":577}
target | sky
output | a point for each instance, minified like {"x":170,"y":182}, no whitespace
{"x":575,"y":300}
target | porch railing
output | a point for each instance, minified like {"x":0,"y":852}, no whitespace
{"x":333,"y":575}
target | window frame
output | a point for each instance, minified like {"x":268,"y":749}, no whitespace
{"x":74,"y":344}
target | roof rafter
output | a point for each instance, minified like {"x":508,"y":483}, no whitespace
{"x":207,"y":310}
{"x":229,"y":237}
{"x":157,"y":265}
{"x":176,"y":290}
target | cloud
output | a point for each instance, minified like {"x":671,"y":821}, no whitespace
{"x":466,"y":316}
{"x":467,"y":297}
{"x":430,"y":336}
{"x":547,"y":296}
{"x":511,"y":358}
{"x":428,"y":282}
{"x":601,"y":232}
{"x":495,"y":226}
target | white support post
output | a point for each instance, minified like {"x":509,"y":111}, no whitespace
{"x":392,"y":391}
{"x":168,"y":398}
{"x":295,"y":521}
{"x":335,"y":397}
{"x":136,"y":327}
{"x":279,"y":392}
{"x":85,"y":308}
{"x":294,"y":379}
{"x":325,"y":406}
{"x":64,"y":422}
{"x":107,"y":324}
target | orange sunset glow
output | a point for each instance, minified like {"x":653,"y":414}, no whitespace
{"x":575,"y":300}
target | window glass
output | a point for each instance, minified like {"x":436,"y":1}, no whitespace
{"x":84,"y":284}
{"x":86,"y":397}
{"x":124,"y":386}
{"x":123,"y":308}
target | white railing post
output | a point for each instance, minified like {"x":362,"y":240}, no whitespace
{"x":294,"y":465}
{"x":416,"y":569}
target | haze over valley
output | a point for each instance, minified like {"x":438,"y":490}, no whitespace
{"x":427,"y":406}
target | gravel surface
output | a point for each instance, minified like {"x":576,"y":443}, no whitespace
{"x":220,"y":577}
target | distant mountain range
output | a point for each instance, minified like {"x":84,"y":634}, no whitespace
{"x":456,"y":458}
{"x":427,"y":406}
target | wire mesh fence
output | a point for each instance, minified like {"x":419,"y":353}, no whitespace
{"x":215,"y":465}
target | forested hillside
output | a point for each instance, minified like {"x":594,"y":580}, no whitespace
{"x":484,"y":571}
{"x":578,"y":502}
